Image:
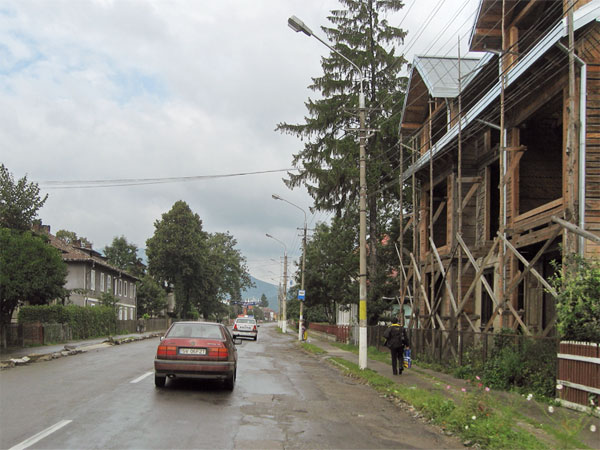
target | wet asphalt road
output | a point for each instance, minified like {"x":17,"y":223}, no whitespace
{"x":283,"y":398}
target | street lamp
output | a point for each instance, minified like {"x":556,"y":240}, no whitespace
{"x":284,"y":303}
{"x":301,"y":321}
{"x":297,"y":25}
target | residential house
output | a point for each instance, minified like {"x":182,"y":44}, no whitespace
{"x":504,"y":167}
{"x":90,"y":275}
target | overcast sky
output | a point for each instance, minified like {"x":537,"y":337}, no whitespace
{"x":124,"y":89}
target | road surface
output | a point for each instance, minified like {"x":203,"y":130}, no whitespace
{"x":283,"y":398}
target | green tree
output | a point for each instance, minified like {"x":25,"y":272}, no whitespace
{"x":30,"y":271}
{"x":329,"y":159}
{"x":178,"y":255}
{"x":151,"y":297}
{"x":20,"y":201}
{"x":258,"y":313}
{"x":70,"y":237}
{"x":227,"y":275}
{"x":331,"y":267}
{"x":123,"y":254}
{"x":264,"y":303}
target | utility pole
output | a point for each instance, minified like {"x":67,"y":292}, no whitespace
{"x":284,"y":302}
{"x":301,"y":321}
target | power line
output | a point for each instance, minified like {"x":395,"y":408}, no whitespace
{"x":87,"y":184}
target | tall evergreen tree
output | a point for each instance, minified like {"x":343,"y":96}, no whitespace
{"x":329,"y":162}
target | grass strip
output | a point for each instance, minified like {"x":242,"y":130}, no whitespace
{"x":311,"y":348}
{"x":472,"y":419}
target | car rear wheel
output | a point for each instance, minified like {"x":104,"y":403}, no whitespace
{"x":255,"y":337}
{"x":159,"y":381}
{"x":230,"y":382}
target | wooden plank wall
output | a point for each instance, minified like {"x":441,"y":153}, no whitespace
{"x":589,"y":50}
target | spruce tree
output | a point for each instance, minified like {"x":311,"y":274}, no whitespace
{"x":329,"y":161}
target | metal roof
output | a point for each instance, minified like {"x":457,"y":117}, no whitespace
{"x":440,"y":74}
{"x":586,"y":14}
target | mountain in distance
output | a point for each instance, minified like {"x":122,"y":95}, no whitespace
{"x":262,"y":287}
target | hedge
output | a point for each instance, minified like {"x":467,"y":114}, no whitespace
{"x":85,"y":322}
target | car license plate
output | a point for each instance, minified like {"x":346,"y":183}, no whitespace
{"x":192,"y":351}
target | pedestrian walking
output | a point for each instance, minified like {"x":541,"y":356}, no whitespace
{"x":396,"y":339}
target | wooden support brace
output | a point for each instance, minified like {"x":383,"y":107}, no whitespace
{"x":527,"y":265}
{"x":575,"y":229}
{"x":513,"y":166}
{"x":539,"y":254}
{"x":478,"y":274}
{"x":408,"y":224}
{"x":469,"y":195}
{"x":418,"y":275}
{"x":443,"y":271}
{"x":439,"y":211}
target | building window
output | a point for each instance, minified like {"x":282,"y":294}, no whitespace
{"x":134,"y":288}
{"x":125,"y":289}
{"x":120,"y":286}
{"x":108,"y":283}
{"x":115,"y":287}
{"x":130,"y":313}
{"x":101,"y":282}
{"x":93,"y":280}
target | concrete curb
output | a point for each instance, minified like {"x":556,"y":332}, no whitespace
{"x":70,"y":350}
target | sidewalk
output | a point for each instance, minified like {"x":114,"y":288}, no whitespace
{"x":20,"y":355}
{"x":451,"y":387}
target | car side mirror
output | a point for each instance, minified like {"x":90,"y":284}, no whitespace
{"x":257,"y":326}
{"x":237,"y":341}
{"x":162,"y":337}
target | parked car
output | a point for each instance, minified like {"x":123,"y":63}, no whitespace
{"x":245,"y":327}
{"x":201,"y":350}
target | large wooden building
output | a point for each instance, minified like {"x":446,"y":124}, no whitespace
{"x":502,"y":154}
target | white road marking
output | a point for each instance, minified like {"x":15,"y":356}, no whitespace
{"x":138,"y":379}
{"x":41,"y":435}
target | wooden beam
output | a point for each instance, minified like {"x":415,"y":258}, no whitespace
{"x":418,"y":276}
{"x":513,"y":165}
{"x":408,"y":224}
{"x":469,"y":195}
{"x":519,"y":278}
{"x":575,"y":229}
{"x":535,"y":273}
{"x":438,"y":211}
{"x":443,"y":271}
{"x":478,"y":274}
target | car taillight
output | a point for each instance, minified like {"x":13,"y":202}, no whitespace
{"x":235,"y":326}
{"x":218,"y":352}
{"x":166,"y":350}
{"x":254,"y":328}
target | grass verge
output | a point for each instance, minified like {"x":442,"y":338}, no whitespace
{"x":475,"y":416}
{"x":312,"y":348}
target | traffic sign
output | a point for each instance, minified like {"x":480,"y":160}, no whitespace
{"x":301,"y":294}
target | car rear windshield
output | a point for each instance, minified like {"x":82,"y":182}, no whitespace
{"x":195,"y":330}
{"x":246,"y":321}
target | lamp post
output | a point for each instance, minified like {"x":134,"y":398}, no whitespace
{"x":284,"y":302}
{"x":297,"y":25}
{"x":301,"y":320}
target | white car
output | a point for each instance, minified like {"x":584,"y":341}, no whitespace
{"x":245,"y":327}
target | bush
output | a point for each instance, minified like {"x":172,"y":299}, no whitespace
{"x":578,"y":303}
{"x":85,"y":322}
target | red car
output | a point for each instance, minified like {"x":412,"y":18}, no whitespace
{"x":201,"y":350}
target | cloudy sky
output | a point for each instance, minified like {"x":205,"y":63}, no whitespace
{"x":136,"y":89}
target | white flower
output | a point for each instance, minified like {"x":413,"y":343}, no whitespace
{"x":466,"y":427}
{"x":593,"y":428}
{"x":473,"y":417}
{"x":550,"y":409}
{"x":559,"y":387}
{"x":529,"y":397}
